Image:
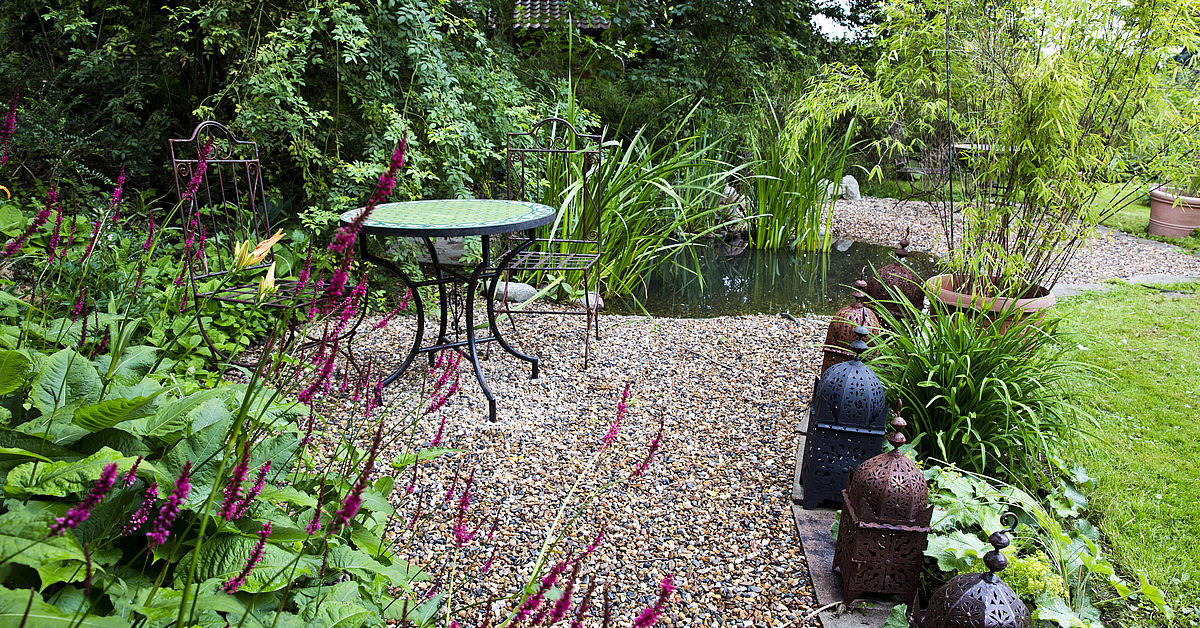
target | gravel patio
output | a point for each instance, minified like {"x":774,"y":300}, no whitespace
{"x":714,"y":507}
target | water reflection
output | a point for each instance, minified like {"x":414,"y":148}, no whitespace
{"x":757,"y":281}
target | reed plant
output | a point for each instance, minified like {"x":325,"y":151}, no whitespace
{"x":989,"y":394}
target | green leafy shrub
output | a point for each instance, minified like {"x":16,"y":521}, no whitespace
{"x":987,"y":393}
{"x":1057,"y":564}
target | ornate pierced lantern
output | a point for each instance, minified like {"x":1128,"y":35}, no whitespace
{"x":846,"y":422}
{"x":897,"y":277}
{"x":885,"y":525}
{"x":841,"y":329}
{"x":980,"y":600}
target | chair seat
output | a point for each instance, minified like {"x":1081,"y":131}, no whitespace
{"x":532,"y":260}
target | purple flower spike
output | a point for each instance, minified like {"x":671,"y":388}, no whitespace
{"x":233,"y":490}
{"x":161,"y":529}
{"x":81,"y":511}
{"x":534,"y":601}
{"x":387,"y":181}
{"x":462,"y":532}
{"x":9,"y":126}
{"x":611,"y":436}
{"x":114,"y":205}
{"x":198,"y":173}
{"x":142,"y":515}
{"x":131,"y":477}
{"x":315,"y":524}
{"x":650,"y":616}
{"x":256,"y":555}
{"x":42,"y":216}
{"x":254,"y":490}
{"x":353,"y":499}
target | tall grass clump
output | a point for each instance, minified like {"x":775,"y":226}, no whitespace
{"x":987,"y":393}
{"x":797,"y":154}
{"x":658,"y":194}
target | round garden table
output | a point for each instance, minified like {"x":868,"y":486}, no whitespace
{"x":426,"y":220}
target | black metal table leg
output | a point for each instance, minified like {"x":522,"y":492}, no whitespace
{"x":416,"y":297}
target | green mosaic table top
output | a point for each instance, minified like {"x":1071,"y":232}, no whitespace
{"x":457,"y":217}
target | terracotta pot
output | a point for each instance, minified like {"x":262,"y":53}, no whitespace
{"x":1173,"y":216}
{"x":943,"y":288}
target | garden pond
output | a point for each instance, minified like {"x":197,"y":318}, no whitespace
{"x":755,"y":281}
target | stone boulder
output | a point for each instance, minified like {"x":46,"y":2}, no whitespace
{"x":514,"y":292}
{"x":594,"y":299}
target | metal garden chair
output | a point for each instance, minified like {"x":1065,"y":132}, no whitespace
{"x":228,"y":206}
{"x":554,"y":164}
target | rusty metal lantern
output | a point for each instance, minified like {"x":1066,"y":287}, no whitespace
{"x":899,"y":278}
{"x":980,"y":600}
{"x":846,"y":424}
{"x":840,"y":333}
{"x":885,"y":525}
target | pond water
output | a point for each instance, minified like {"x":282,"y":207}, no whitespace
{"x":762,"y":282}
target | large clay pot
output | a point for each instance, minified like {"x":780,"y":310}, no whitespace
{"x":1173,"y":216}
{"x":944,"y":289}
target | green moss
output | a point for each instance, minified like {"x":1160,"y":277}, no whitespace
{"x":1146,"y":462}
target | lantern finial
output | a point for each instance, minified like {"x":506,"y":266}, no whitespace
{"x":898,"y":423}
{"x":860,"y":343}
{"x":995,"y":560}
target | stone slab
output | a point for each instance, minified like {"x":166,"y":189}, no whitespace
{"x":812,"y":530}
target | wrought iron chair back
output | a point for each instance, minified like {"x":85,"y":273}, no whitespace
{"x":229,"y":204}
{"x":556,"y":165}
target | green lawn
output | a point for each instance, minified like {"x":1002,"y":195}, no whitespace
{"x":1134,"y":217}
{"x":1147,"y":502}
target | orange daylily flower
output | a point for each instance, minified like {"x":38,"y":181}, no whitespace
{"x":244,"y":257}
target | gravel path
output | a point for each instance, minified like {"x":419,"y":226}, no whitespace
{"x":714,"y":507}
{"x":1105,"y":255}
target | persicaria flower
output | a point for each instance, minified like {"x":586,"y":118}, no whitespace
{"x":161,"y":529}
{"x":532,"y":603}
{"x":233,"y":490}
{"x":387,"y":181}
{"x":315,"y":523}
{"x":259,"y":482}
{"x":650,"y":616}
{"x":353,"y":499}
{"x":198,"y":171}
{"x":611,"y":436}
{"x":256,"y":555}
{"x":114,"y":205}
{"x":462,"y":533}
{"x":400,"y":308}
{"x":131,"y":476}
{"x":81,"y":511}
{"x":40,"y":219}
{"x":10,"y":125}
{"x":142,"y":514}
{"x":564,"y":601}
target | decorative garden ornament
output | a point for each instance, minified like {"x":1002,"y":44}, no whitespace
{"x":885,"y":525}
{"x":980,"y":600}
{"x":846,"y":423}
{"x":840,"y":333}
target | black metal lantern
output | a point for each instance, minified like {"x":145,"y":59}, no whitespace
{"x":846,"y":422}
{"x":885,"y":525}
{"x":897,"y":277}
{"x":840,"y":333}
{"x":980,"y":600}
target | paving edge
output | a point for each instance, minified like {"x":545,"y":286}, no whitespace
{"x":812,"y":530}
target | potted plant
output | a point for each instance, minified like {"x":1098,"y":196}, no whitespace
{"x":1173,"y":152}
{"x":1032,"y":101}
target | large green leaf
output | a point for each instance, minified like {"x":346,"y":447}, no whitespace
{"x":203,"y":448}
{"x":172,"y":420}
{"x":14,"y":367}
{"x":13,"y":605}
{"x":339,"y":606}
{"x":133,"y":364}
{"x":66,"y":380}
{"x":23,"y":538}
{"x":62,"y":478}
{"x":224,"y":555}
{"x":110,"y":412}
{"x":356,"y":562}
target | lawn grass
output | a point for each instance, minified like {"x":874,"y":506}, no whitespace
{"x":1147,"y":500}
{"x":1134,"y":216}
